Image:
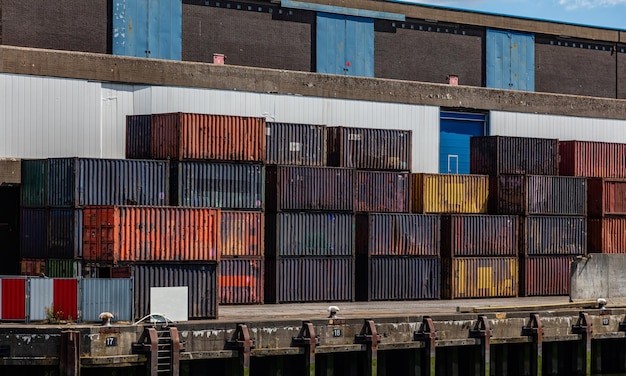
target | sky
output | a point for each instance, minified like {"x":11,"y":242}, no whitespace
{"x":603,"y":13}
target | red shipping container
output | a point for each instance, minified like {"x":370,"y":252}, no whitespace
{"x":495,"y":155}
{"x":65,"y":298}
{"x":592,"y":159}
{"x":13,"y":298}
{"x":113,"y":234}
{"x":607,"y":235}
{"x":606,"y":197}
{"x":242,"y":234}
{"x":382,"y":192}
{"x":545,"y":275}
{"x":241,"y":281}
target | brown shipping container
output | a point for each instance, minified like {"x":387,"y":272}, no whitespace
{"x":551,"y":235}
{"x":10,"y":171}
{"x":389,"y":234}
{"x":241,"y":281}
{"x":242,"y":234}
{"x":545,"y":275}
{"x":607,"y":235}
{"x":32,"y":267}
{"x":496,"y":155}
{"x":478,"y":277}
{"x":442,"y":193}
{"x":606,"y":197}
{"x":296,"y":144}
{"x":382,"y":192}
{"x":309,"y":188}
{"x":369,"y":149}
{"x":592,"y":159}
{"x":479,"y":235}
{"x":113,"y":234}
{"x":537,"y":195}
{"x":184,"y":136}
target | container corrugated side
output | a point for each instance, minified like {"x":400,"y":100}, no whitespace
{"x":496,"y":155}
{"x":386,"y":234}
{"x":592,"y":159}
{"x":34,"y":233}
{"x":185,"y":136}
{"x":217,"y":185}
{"x":200,"y":278}
{"x":78,"y":182}
{"x":241,"y":281}
{"x":443,"y":193}
{"x":60,"y":268}
{"x":554,"y":235}
{"x":309,"y":279}
{"x":10,"y":171}
{"x":309,"y":234}
{"x":138,"y":136}
{"x":479,"y":277}
{"x":545,"y":275}
{"x":33,"y":188}
{"x":113,"y":295}
{"x":65,"y":230}
{"x":382,"y":191}
{"x":479,"y":235}
{"x":398,"y":278}
{"x":369,"y":149}
{"x":606,"y":196}
{"x":537,"y":195}
{"x":607,"y":235}
{"x":113,"y":234}
{"x":309,"y":188}
{"x":242,"y":234}
{"x":295,"y":144}
{"x":32,"y":267}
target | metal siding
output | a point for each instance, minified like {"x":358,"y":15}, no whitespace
{"x":478,"y":277}
{"x":113,"y":295}
{"x":402,"y":278}
{"x":218,"y":185}
{"x":65,"y":233}
{"x":510,"y":60}
{"x":592,"y":159}
{"x":607,"y":235}
{"x":359,"y":46}
{"x":545,"y":275}
{"x":523,"y":61}
{"x":479,"y":235}
{"x":59,"y":268}
{"x":295,"y":144}
{"x":116,"y":103}
{"x":498,"y":59}
{"x":41,"y":298}
{"x":495,"y":155}
{"x":397,"y":235}
{"x":454,"y":140}
{"x":165,"y":29}
{"x":606,"y":196}
{"x":65,"y":298}
{"x":554,"y":235}
{"x":13,"y":297}
{"x":379,"y":191}
{"x":241,"y":281}
{"x":33,"y":233}
{"x":445,"y":193}
{"x":34,"y":184}
{"x":330,"y":41}
{"x":242,"y":234}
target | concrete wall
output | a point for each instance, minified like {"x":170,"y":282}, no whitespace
{"x":598,"y":276}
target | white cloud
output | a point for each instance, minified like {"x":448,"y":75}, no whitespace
{"x":575,"y":4}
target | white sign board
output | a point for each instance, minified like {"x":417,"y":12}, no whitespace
{"x":170,"y":302}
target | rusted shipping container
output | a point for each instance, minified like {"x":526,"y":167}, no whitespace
{"x":185,"y":136}
{"x":545,"y":275}
{"x":34,"y":233}
{"x":33,"y":188}
{"x":479,"y":277}
{"x":139,"y":136}
{"x":51,"y":233}
{"x":386,"y":234}
{"x":592,"y":159}
{"x":61,"y":268}
{"x":537,"y":195}
{"x":552,"y":235}
{"x":479,"y":235}
{"x":96,"y":270}
{"x":309,"y":279}
{"x":606,"y":196}
{"x":496,"y":155}
{"x":295,"y":144}
{"x":200,"y":278}
{"x":241,"y":281}
{"x":309,"y":188}
{"x":113,"y":234}
{"x":309,"y":234}
{"x":369,"y":149}
{"x":443,"y":193}
{"x":242,"y":234}
{"x":382,"y":192}
{"x":398,"y":278}
{"x":33,"y":267}
{"x":10,"y":171}
{"x":217,"y":185}
{"x":607,"y":235}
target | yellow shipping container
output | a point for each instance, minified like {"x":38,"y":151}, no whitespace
{"x":445,"y":193}
{"x":479,"y":277}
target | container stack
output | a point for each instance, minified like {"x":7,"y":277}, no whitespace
{"x":602,"y":163}
{"x":552,"y":209}
{"x":10,"y":180}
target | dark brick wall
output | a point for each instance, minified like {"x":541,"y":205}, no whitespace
{"x":76,"y":25}
{"x":578,"y":71}
{"x":621,"y":75}
{"x":248,"y":38}
{"x":429,"y":56}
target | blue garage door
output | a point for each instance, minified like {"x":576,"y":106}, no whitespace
{"x":456,"y":128}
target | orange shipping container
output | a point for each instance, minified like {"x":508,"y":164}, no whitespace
{"x":113,"y":234}
{"x":242,"y":234}
{"x":443,"y":193}
{"x":32,"y":267}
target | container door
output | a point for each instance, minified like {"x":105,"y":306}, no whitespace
{"x":345,"y":45}
{"x":13,"y":295}
{"x":456,"y":128}
{"x":510,"y":60}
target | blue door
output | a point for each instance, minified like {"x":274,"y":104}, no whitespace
{"x":345,"y":45}
{"x":455,"y":131}
{"x":510,"y":60}
{"x":148,"y":28}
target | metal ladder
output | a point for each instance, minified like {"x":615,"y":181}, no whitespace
{"x":162,"y":348}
